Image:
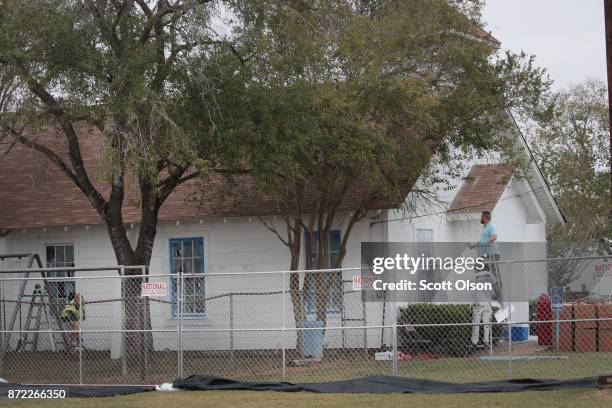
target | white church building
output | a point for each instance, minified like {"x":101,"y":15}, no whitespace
{"x":42,"y":212}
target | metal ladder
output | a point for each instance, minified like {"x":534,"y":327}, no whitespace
{"x":38,"y":312}
{"x":53,"y":308}
{"x":347,"y":289}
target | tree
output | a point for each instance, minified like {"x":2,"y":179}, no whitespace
{"x":130,"y":70}
{"x":572,"y":149}
{"x":344,"y":105}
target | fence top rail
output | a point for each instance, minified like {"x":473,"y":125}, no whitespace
{"x":331,"y":328}
{"x":72,"y":269}
{"x":142,"y":267}
{"x":135,"y":276}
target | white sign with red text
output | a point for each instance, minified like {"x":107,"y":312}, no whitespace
{"x":153,"y":289}
{"x":363,"y":282}
{"x":602,"y":268}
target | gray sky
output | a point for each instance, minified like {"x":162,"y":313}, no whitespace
{"x":567,"y":36}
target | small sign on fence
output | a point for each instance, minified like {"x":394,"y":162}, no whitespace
{"x":153,"y":289}
{"x":363,"y":282}
{"x":556,"y":301}
{"x":601,"y":268}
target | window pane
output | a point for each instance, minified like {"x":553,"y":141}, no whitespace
{"x":177,"y":266}
{"x":334,"y":241}
{"x":198,"y":265}
{"x":198,"y":248}
{"x":332,"y":259}
{"x":50,"y":256}
{"x":69,"y":255}
{"x":59,"y":255}
{"x":424,"y":241}
{"x":189,"y":286}
{"x":176,"y":249}
{"x":199,"y":286}
{"x":187,"y":265}
{"x":187,"y":249}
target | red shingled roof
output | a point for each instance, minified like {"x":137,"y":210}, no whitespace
{"x":482,"y":188}
{"x":35,"y":193}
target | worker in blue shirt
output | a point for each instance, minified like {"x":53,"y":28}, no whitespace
{"x":488,"y":237}
{"x":482,"y":311}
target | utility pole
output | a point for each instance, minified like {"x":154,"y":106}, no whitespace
{"x":608,"y":17}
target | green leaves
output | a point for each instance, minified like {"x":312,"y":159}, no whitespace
{"x":373,"y":92}
{"x":572,"y":148}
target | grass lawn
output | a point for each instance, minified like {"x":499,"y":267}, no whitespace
{"x":100,"y":369}
{"x":541,"y":399}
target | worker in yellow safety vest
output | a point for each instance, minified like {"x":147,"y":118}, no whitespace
{"x":72,"y":314}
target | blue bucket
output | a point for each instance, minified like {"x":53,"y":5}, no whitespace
{"x":520,"y":332}
{"x":311,"y":340}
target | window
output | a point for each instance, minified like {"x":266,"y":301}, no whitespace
{"x":424,"y":239}
{"x":187,"y":256}
{"x":424,"y":247}
{"x":334,"y":301}
{"x":60,"y":256}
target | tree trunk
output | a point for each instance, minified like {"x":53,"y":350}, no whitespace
{"x":137,"y":341}
{"x":294,"y":278}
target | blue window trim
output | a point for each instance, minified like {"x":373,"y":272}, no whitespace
{"x":329,"y":311}
{"x":173,"y":286}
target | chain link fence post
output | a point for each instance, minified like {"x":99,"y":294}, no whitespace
{"x":123,"y":317}
{"x":231,"y":325}
{"x":80,"y":292}
{"x":394,"y":331}
{"x":284,"y":370}
{"x":510,"y":352}
{"x":180,"y":307}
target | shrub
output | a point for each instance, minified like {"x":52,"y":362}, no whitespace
{"x":446,"y":340}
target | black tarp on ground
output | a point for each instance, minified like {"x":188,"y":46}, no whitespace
{"x":78,"y":391}
{"x":384,"y":385}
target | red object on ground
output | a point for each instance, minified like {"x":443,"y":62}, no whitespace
{"x":585,"y":334}
{"x":585,"y":311}
{"x":604,"y":311}
{"x":585,"y":340}
{"x":543,"y":312}
{"x":605,"y":340}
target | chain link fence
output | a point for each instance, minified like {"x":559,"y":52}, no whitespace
{"x":297,"y":326}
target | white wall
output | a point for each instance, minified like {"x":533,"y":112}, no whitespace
{"x":234,"y":245}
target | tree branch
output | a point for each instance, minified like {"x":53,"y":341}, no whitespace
{"x":42,"y":149}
